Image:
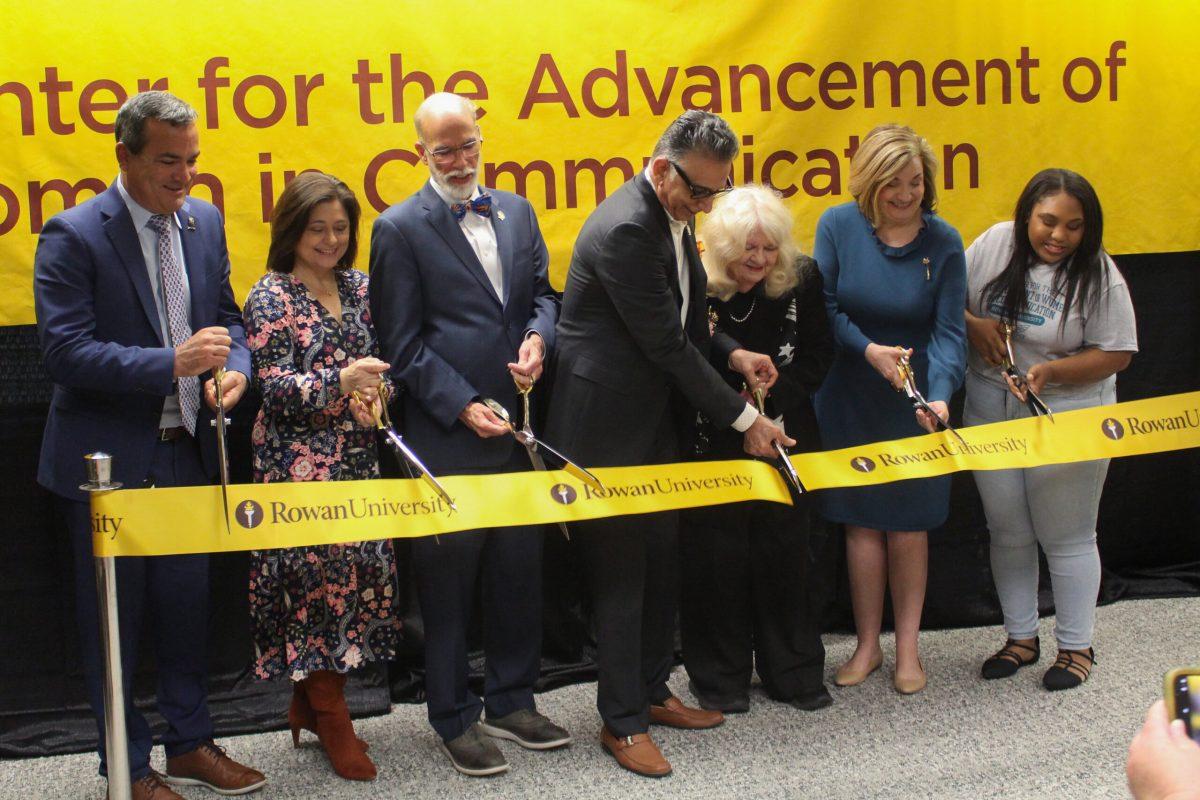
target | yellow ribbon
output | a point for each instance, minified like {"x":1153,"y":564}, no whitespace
{"x":144,"y":522}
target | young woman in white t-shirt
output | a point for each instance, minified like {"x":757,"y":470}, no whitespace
{"x":1046,"y":274}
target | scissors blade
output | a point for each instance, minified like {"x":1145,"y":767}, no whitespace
{"x":1037,"y":404}
{"x":785,"y":464}
{"x":534,"y":443}
{"x":222,"y":443}
{"x":946,"y":426}
{"x":408,"y":457}
{"x":540,"y":465}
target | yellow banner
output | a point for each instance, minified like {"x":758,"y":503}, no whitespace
{"x":145,"y":522}
{"x":574,"y":95}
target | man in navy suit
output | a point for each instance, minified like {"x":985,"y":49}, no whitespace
{"x":463,"y":306}
{"x":134,"y":310}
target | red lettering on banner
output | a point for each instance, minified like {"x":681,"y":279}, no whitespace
{"x":69,"y":192}
{"x":827,"y":85}
{"x":371,"y":175}
{"x":52,"y":87}
{"x":711,"y":86}
{"x":783,"y":87}
{"x":949,"y":153}
{"x":657,"y":102}
{"x":736,"y":74}
{"x":89,"y":105}
{"x":768,"y":171}
{"x":941,"y":82}
{"x":25,"y":99}
{"x":893,"y":71}
{"x":831,"y":172}
{"x":400,"y":82}
{"x":520,"y":175}
{"x":364,"y":79}
{"x":216,"y":191}
{"x":210,"y":82}
{"x":12,"y":209}
{"x":598,"y":172}
{"x":546,"y":68}
{"x":619,"y":78}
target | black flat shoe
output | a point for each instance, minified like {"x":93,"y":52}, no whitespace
{"x":1010,"y":658}
{"x":1071,"y":668}
{"x":812,"y":701}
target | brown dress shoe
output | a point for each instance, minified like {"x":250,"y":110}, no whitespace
{"x":637,"y":753}
{"x":151,"y":787}
{"x":208,"y":766}
{"x":673,"y":713}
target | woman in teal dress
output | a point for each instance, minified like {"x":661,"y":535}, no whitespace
{"x":895,"y":284}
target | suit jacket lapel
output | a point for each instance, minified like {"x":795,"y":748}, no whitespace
{"x":660,"y":215}
{"x":442,"y":221}
{"x":193,"y":262}
{"x":118,"y":225}
{"x":504,"y":245}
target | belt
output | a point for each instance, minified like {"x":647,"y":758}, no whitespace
{"x":171,"y":434}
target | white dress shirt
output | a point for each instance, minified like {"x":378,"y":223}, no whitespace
{"x":482,"y":238}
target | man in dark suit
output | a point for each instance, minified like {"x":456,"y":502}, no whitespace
{"x":632,"y":369}
{"x":134,"y":309}
{"x":463,"y":306}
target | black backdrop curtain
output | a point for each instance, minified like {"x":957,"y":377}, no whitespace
{"x":1149,"y":547}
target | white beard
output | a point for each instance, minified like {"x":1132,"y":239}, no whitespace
{"x":455,"y":193}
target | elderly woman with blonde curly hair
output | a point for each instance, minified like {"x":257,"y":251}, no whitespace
{"x":745,"y":598}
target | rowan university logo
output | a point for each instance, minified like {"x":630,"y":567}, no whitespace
{"x":862,"y":464}
{"x":1113,"y":428}
{"x":249,"y":514}
{"x":563,"y":493}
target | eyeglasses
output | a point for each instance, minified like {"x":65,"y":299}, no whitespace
{"x":445,"y":155}
{"x":702,"y":192}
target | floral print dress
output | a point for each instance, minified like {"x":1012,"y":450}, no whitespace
{"x":328,"y":607}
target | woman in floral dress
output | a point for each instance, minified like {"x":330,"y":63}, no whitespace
{"x":318,"y":612}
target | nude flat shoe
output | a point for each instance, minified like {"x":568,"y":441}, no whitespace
{"x":910,"y":685}
{"x":849,"y":676}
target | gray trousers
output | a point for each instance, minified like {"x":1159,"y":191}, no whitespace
{"x":1054,"y":506}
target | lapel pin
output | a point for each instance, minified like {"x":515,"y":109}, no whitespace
{"x":191,"y":226}
{"x":500,"y":214}
{"x":925,"y":261}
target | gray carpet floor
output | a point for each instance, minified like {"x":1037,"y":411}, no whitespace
{"x":961,"y":738}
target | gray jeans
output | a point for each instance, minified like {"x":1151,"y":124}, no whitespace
{"x":1054,"y":506}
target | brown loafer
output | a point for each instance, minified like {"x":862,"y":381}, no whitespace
{"x":673,"y":713}
{"x":637,"y":753}
{"x":208,"y":766}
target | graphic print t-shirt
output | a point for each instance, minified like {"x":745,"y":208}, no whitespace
{"x":1106,"y":322}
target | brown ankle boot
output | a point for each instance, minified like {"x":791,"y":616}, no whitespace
{"x":302,"y":717}
{"x":323,"y":689}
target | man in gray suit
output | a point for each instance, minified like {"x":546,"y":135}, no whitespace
{"x":463,"y":306}
{"x":631,"y":370}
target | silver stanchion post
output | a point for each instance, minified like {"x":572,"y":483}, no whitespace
{"x":99,"y":473}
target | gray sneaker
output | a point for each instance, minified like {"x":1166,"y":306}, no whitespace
{"x":474,"y":754}
{"x":528,"y":728}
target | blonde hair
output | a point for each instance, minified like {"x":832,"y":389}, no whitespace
{"x":882,"y":155}
{"x":726,"y":228}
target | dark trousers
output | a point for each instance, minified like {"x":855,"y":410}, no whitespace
{"x":745,"y":601}
{"x":630,"y":563}
{"x":171,"y":594}
{"x":507,"y":564}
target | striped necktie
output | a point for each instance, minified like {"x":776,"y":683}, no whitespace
{"x":171,"y":273}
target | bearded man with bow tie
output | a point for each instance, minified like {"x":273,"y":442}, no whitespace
{"x":464,"y":310}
